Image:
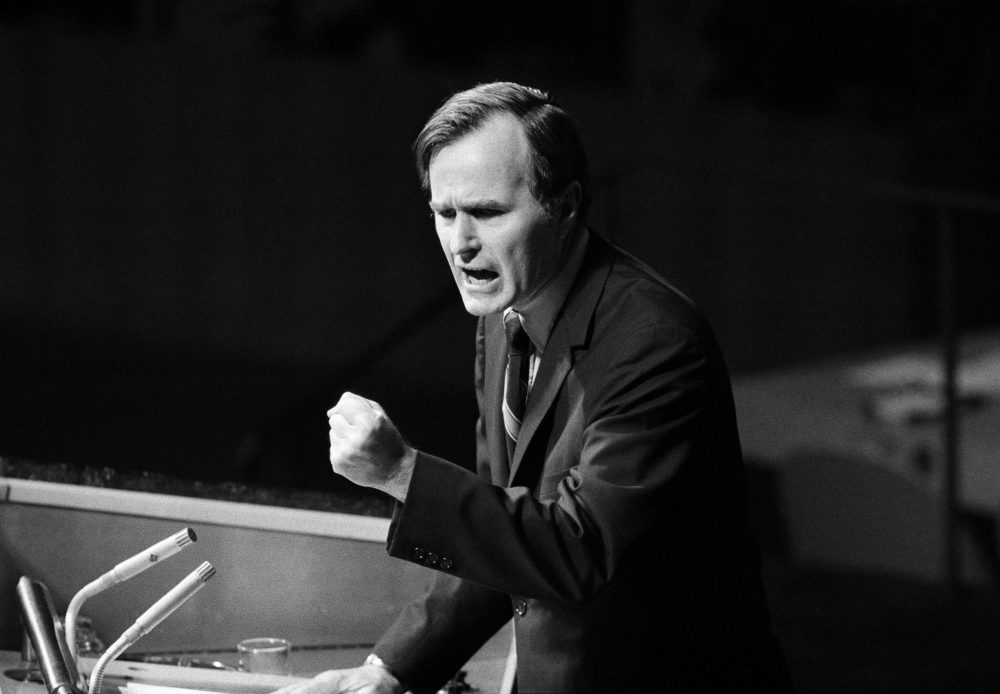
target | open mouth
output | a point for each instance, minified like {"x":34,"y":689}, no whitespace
{"x":479,"y":276}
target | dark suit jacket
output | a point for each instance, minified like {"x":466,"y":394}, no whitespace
{"x":617,"y":537}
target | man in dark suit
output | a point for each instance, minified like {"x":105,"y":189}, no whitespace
{"x":608,"y":519}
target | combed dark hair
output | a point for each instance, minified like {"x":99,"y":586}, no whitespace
{"x":557,"y":154}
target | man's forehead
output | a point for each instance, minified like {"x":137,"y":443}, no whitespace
{"x":497,"y":151}
{"x":499,"y":137}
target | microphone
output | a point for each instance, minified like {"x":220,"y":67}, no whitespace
{"x":122,"y":572}
{"x":148,"y":620}
{"x":39,"y":617}
{"x":165,"y":606}
{"x":161,"y":550}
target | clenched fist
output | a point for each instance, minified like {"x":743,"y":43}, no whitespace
{"x":367,"y":448}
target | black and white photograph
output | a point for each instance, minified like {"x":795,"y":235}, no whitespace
{"x":527,"y":347}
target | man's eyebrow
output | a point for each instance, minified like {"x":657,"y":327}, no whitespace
{"x":484,"y":203}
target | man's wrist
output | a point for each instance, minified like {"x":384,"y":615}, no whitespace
{"x":400,"y":483}
{"x":373,"y":659}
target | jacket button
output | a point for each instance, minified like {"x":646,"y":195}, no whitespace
{"x":432,"y":559}
{"x":446,"y":564}
{"x":418,"y":553}
{"x":521,"y":608}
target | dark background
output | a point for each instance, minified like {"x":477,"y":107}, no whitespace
{"x":210,"y":223}
{"x":210,"y":217}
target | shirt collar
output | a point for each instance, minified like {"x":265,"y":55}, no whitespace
{"x":538,"y":316}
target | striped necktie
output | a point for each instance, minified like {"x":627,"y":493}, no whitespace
{"x":515,"y":387}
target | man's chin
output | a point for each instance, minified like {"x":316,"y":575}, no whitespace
{"x":480,"y":305}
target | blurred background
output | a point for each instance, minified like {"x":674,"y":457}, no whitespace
{"x":210,"y":227}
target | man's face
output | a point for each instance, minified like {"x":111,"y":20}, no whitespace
{"x":501,"y":244}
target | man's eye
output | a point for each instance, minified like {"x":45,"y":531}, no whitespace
{"x":444,"y":214}
{"x":486,"y":213}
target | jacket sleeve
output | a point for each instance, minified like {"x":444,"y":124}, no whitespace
{"x":435,"y":635}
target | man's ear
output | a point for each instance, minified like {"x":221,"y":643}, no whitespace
{"x":568,"y":208}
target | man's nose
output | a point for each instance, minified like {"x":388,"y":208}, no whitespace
{"x":464,"y":239}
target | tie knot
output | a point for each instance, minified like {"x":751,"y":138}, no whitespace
{"x":517,"y":338}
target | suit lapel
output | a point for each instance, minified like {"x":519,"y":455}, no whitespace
{"x":571,"y":331}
